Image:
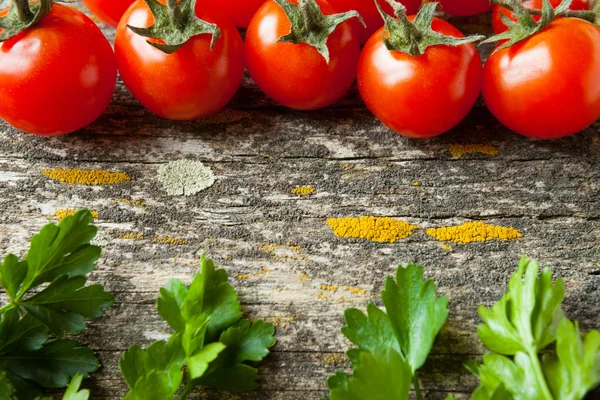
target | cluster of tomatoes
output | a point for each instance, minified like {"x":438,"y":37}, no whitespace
{"x":59,"y":75}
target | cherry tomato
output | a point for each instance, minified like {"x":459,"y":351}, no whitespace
{"x":297,"y":75}
{"x":370,"y":14}
{"x":547,"y":86}
{"x":465,"y":8}
{"x":109,"y":11}
{"x":57,"y":76}
{"x":190,"y":83}
{"x":499,"y":26}
{"x":240,"y":12}
{"x":423,"y":96}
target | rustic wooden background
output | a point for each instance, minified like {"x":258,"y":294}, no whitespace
{"x":277,"y":246}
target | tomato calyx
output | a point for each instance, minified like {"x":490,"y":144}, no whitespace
{"x":174,"y":24}
{"x":311,"y":26}
{"x":526,"y":26}
{"x":22,"y":16}
{"x":400,"y":34}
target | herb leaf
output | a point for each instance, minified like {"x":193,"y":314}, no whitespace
{"x":161,"y":362}
{"x":65,"y":303}
{"x":73,"y":392}
{"x":199,"y":314}
{"x":527,"y":316}
{"x":384,"y":376}
{"x":245,"y":341}
{"x":392,"y":345}
{"x":415,"y":313}
{"x":575,"y":369}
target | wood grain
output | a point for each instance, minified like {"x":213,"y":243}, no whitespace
{"x":259,"y":152}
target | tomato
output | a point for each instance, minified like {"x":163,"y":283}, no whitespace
{"x":547,"y":86}
{"x":297,"y":75}
{"x":240,"y":12}
{"x":190,"y":83}
{"x":109,"y":11}
{"x":465,"y":8}
{"x":499,"y":26}
{"x":370,"y":14}
{"x":57,"y":76}
{"x":423,"y":96}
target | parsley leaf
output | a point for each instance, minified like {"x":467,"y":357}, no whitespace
{"x":33,"y":353}
{"x":527,"y":317}
{"x":575,"y":369}
{"x":392,"y":346}
{"x":209,"y":338}
{"x":73,"y":392}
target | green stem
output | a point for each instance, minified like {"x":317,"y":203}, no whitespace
{"x":25,"y":14}
{"x":539,"y":374}
{"x":187,"y":390}
{"x":6,"y":308}
{"x":415,"y":381}
{"x":587,"y":15}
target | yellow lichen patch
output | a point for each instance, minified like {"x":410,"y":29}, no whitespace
{"x":282,"y":321}
{"x":242,"y":276}
{"x":447,"y":247}
{"x":134,"y":236}
{"x":334,"y":358}
{"x":376,"y":229}
{"x":330,"y":288}
{"x":263,"y":271}
{"x":94,"y":177}
{"x":303,"y":190}
{"x":303,"y":278}
{"x":65,"y":212}
{"x":354,"y":290}
{"x":416,"y":184}
{"x":138,"y":203}
{"x":170,"y":240}
{"x":321,"y":296}
{"x":459,"y":150}
{"x":473,"y":232}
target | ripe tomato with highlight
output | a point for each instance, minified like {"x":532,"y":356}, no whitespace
{"x":192,"y":82}
{"x":108,"y":11}
{"x":297,"y":75}
{"x":547,"y":86}
{"x":425,"y":96}
{"x":499,"y":26}
{"x":58,"y":76}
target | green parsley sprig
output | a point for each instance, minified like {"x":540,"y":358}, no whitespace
{"x":48,"y":298}
{"x":392,"y":345}
{"x":209,"y":338}
{"x":527,"y":320}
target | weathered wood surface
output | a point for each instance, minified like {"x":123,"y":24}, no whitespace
{"x":547,"y":190}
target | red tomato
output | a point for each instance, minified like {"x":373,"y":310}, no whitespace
{"x":297,"y":75}
{"x":424,"y":96}
{"x":499,"y":26}
{"x":370,"y":14}
{"x":547,"y":86}
{"x":109,"y":11}
{"x":58,"y":76}
{"x":240,"y":12}
{"x":465,"y":8}
{"x":191,"y":83}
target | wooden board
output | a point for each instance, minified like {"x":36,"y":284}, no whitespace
{"x":252,"y":225}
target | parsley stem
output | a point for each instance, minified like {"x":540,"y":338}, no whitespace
{"x":537,"y":369}
{"x":416,"y":386}
{"x":187,"y":389}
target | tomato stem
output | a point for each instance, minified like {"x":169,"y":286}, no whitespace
{"x":415,"y":37}
{"x":22,"y":16}
{"x":309,"y":25}
{"x":23,"y":10}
